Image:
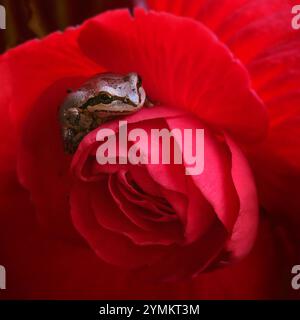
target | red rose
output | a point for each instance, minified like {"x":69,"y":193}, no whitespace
{"x":61,"y":227}
{"x":158,"y":217}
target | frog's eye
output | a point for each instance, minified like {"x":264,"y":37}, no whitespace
{"x":104,"y":97}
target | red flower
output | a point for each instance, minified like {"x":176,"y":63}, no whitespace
{"x":153,"y":215}
{"x":184,"y":66}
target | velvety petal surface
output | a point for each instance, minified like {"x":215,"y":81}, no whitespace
{"x":260,"y":34}
{"x":200,"y":75}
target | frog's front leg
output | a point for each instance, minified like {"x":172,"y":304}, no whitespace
{"x":72,"y":138}
{"x":76,"y":124}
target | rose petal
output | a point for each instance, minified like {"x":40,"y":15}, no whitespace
{"x":111,"y":247}
{"x":245,"y":228}
{"x":215,"y":182}
{"x":44,"y":175}
{"x":55,"y":57}
{"x":121,"y":216}
{"x":274,"y":66}
{"x":202,"y":78}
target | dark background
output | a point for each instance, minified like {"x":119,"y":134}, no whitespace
{"x":27,"y":19}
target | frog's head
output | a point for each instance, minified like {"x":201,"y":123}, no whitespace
{"x":114,"y":94}
{"x":101,"y":98}
{"x":106,"y":95}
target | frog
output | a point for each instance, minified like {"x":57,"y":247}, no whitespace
{"x":101,"y":98}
